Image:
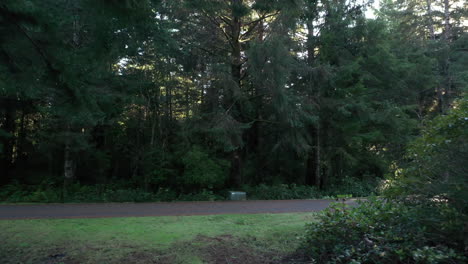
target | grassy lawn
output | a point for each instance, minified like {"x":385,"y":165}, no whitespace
{"x":262,"y":238}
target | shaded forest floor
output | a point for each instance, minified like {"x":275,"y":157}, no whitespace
{"x":261,"y":238}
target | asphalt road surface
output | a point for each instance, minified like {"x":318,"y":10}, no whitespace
{"x":97,"y":210}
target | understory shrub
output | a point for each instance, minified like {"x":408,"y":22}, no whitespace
{"x":350,"y":187}
{"x":382,"y":231}
{"x":436,"y":161}
{"x":354,"y":187}
{"x":281,"y":192}
{"x":98,"y":193}
{"x":202,"y":171}
{"x":52,"y":192}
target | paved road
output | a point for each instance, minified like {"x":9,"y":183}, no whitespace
{"x":45,"y":211}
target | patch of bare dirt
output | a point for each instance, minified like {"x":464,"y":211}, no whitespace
{"x":59,"y":258}
{"x":227,"y":249}
{"x":295,"y":258}
{"x":148,"y":257}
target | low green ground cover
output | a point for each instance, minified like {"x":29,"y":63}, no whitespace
{"x":262,"y":238}
{"x":52,"y":193}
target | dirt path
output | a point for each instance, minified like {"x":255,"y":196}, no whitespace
{"x":97,"y":210}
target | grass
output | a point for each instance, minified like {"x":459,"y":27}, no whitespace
{"x":261,"y":238}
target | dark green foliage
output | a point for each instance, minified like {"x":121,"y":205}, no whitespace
{"x":383,"y":231}
{"x":436,"y":166}
{"x":201,"y":171}
{"x":424,"y":221}
{"x":281,"y":192}
{"x":348,"y":187}
{"x":203,"y":96}
{"x":148,"y":100}
{"x":50,"y":192}
{"x":99,"y":193}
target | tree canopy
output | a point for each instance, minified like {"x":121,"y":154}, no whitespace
{"x":206,"y":95}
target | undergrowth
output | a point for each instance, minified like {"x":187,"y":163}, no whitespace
{"x":52,"y":193}
{"x":384,"y":231}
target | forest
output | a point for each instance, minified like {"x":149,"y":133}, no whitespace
{"x":201,"y":96}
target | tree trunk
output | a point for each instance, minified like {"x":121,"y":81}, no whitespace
{"x":314,"y":160}
{"x":447,"y":37}
{"x":236,"y":168}
{"x":68,"y":170}
{"x":68,"y":163}
{"x":310,"y":43}
{"x":9,"y":126}
{"x":236,"y":67}
{"x":431,"y":22}
{"x":447,"y":30}
{"x":21,"y":138}
{"x":317,"y":174}
{"x":187,"y":101}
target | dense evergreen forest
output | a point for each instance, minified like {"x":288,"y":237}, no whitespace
{"x":206,"y":95}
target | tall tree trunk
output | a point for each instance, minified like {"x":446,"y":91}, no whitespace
{"x":311,"y":165}
{"x":256,"y":136}
{"x":138,"y":145}
{"x":9,"y":126}
{"x":169,"y":97}
{"x":21,"y":137}
{"x":68,"y":162}
{"x":314,"y":160}
{"x":310,"y":43}
{"x":447,"y":39}
{"x":447,"y":33}
{"x":317,"y":174}
{"x":326,"y":170}
{"x":187,"y":102}
{"x":68,"y":167}
{"x":236,"y":67}
{"x":236,"y":64}
{"x":431,"y":21}
{"x":440,"y":98}
{"x":443,"y":89}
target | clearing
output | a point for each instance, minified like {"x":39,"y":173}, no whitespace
{"x":251,"y":238}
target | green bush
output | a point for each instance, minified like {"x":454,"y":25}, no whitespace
{"x":281,"y":192}
{"x":21,"y":193}
{"x":379,"y":231}
{"x":204,"y":195}
{"x":348,"y":186}
{"x":203,"y":172}
{"x":436,"y":167}
{"x":354,"y":187}
{"x":51,"y":192}
{"x":98,"y":193}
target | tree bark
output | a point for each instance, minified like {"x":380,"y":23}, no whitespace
{"x":317,"y":174}
{"x":314,"y":175}
{"x":236,"y":67}
{"x":447,"y":30}
{"x":431,"y":22}
{"x":447,"y":38}
{"x":68,"y":168}
{"x":9,"y":126}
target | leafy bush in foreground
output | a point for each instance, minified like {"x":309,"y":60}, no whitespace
{"x":381,"y":231}
{"x":436,"y":166}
